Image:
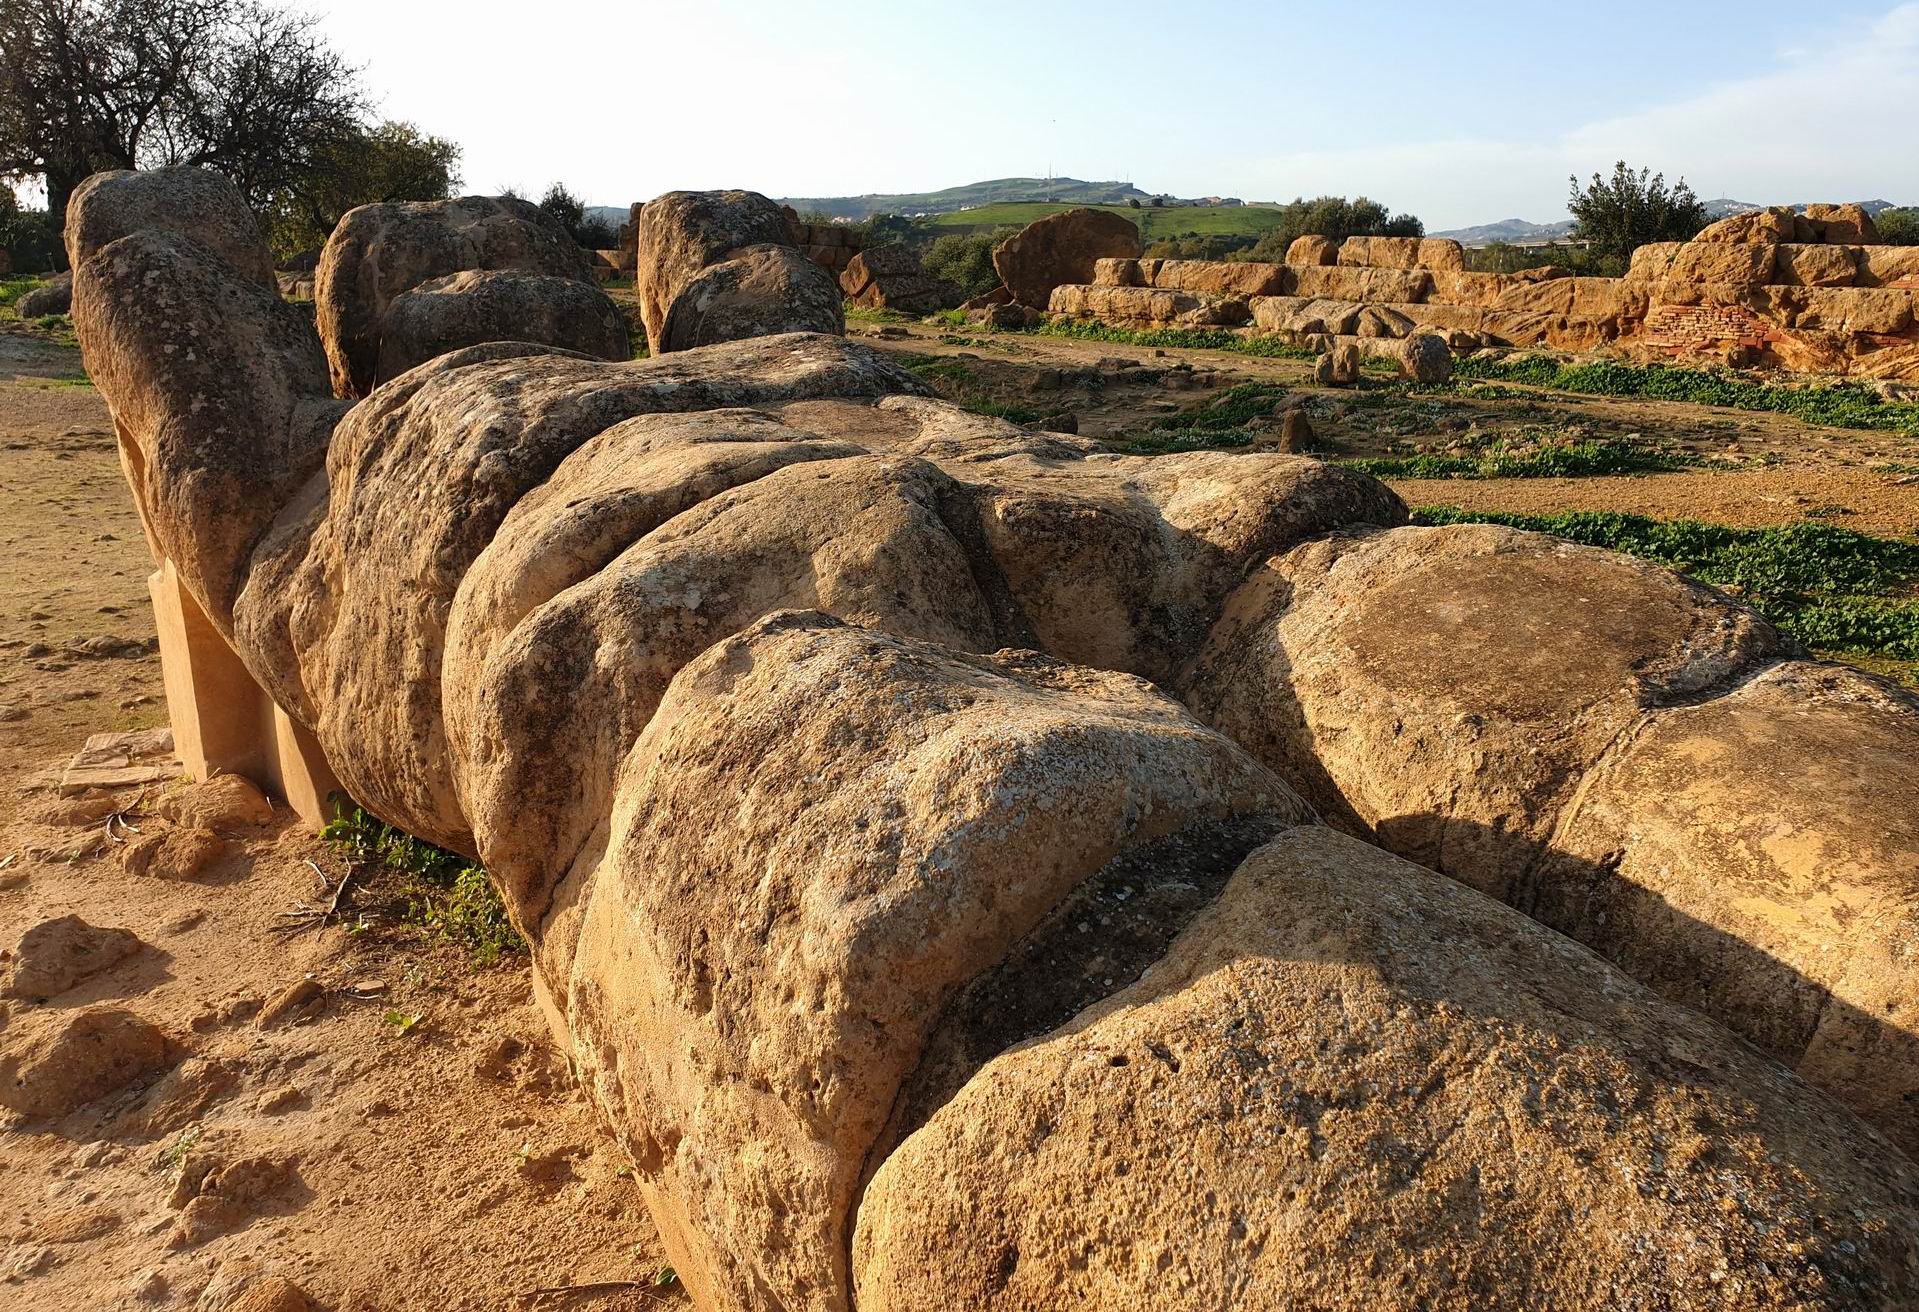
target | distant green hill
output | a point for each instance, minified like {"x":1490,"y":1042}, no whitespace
{"x":1154,"y":223}
{"x":1065,"y":191}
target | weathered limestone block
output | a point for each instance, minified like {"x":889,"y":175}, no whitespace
{"x":200,"y":352}
{"x":1060,"y":249}
{"x":783,"y":915}
{"x":1849,"y":223}
{"x":716,"y":266}
{"x":1885,"y":266}
{"x":1118,"y":273}
{"x":195,"y":203}
{"x":1475,"y":289}
{"x":1817,"y":266}
{"x":495,"y":305}
{"x":1508,"y":713}
{"x":1402,"y":253}
{"x":1222,"y":277}
{"x":1653,"y":261}
{"x":1767,"y":227}
{"x":1441,"y":253}
{"x":758,"y":291}
{"x":1149,"y":305}
{"x":1748,"y":264}
{"x":1345,"y":283}
{"x":380,"y":251}
{"x":1855,"y":310}
{"x":819,"y":906}
{"x":1335,"y":1000}
{"x":1313,"y":250}
{"x":890,"y":277}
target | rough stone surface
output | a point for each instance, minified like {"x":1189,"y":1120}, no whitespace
{"x":379,"y":252}
{"x":1313,"y":249}
{"x":54,"y":955}
{"x":498,"y":305}
{"x":193,"y":203}
{"x":1060,"y":249}
{"x":1352,"y":1085}
{"x":75,"y":1058}
{"x":173,"y":853}
{"x":1536,"y":705}
{"x":52,"y":296}
{"x":890,"y":277}
{"x":759,"y":291}
{"x":722,"y":248}
{"x":225,"y":802}
{"x":817,"y":898}
{"x":769,"y":1023}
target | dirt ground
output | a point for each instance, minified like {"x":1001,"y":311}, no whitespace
{"x":449,"y":1163}
{"x":1755,"y":468}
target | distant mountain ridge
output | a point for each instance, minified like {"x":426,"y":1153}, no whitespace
{"x":1524,"y":231}
{"x":996,"y":191}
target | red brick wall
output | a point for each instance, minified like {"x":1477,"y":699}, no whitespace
{"x":1705,"y":327}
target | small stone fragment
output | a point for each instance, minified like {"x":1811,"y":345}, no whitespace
{"x":293,"y":1002}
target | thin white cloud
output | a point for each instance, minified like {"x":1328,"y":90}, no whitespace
{"x":1831,"y":122}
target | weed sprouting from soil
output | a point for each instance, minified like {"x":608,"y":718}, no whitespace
{"x":1838,"y":591}
{"x":431,"y":892}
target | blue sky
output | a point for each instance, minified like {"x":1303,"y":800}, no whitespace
{"x":1461,"y":113}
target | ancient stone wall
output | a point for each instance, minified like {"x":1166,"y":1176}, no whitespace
{"x":1734,"y":293}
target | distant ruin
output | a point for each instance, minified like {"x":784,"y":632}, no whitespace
{"x":1773,"y":288}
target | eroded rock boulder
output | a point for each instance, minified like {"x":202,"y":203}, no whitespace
{"x":1451,"y":1107}
{"x":799,"y":1005}
{"x":1512,"y":710}
{"x":498,"y":305}
{"x":53,"y":296}
{"x":54,"y":955}
{"x":720,"y":266}
{"x":890,"y":277}
{"x":826,"y":904}
{"x":75,"y":1057}
{"x":379,"y":252}
{"x":1062,"y":249}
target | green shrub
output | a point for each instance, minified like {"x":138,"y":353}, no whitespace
{"x":963,"y":259}
{"x":1898,"y":226}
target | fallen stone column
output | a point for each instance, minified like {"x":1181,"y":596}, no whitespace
{"x":815,"y":734}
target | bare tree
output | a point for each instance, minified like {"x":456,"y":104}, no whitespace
{"x":229,"y":84}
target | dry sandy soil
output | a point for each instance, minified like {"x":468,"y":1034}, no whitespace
{"x":451,"y":1164}
{"x":1759,"y":468}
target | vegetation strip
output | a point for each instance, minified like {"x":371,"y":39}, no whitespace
{"x":1836,"y":590}
{"x":1837,"y":405}
{"x":437,"y":893}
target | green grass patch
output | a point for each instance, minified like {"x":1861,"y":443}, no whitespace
{"x":1838,"y":591}
{"x":12,"y":289}
{"x":1180,"y":339}
{"x":1219,"y":425}
{"x":1836,"y":405}
{"x":427,"y":890}
{"x":1589,"y":459}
